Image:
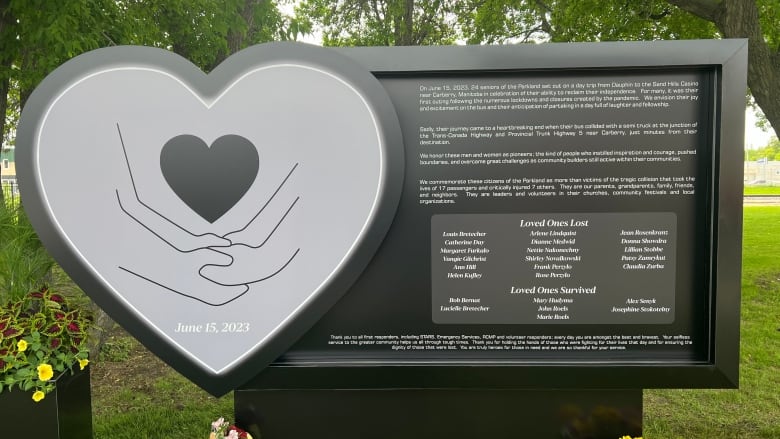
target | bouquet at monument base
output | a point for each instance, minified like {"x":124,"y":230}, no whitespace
{"x":221,"y":429}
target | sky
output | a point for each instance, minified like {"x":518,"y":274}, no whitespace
{"x":754,"y":137}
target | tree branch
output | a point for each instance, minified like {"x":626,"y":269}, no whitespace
{"x":545,"y":24}
{"x":705,"y":9}
{"x":740,"y":19}
{"x":656,"y":17}
{"x":110,"y":40}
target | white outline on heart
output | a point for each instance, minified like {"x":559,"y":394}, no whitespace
{"x":109,"y":287}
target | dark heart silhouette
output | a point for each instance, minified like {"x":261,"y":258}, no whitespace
{"x":209,"y":179}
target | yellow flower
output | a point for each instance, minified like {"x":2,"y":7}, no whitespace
{"x":38,"y":395}
{"x":45,"y":372}
{"x":83,"y":364}
{"x":21,"y":346}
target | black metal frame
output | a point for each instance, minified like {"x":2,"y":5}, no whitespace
{"x":727,"y":59}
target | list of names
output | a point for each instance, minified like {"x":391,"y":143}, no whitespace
{"x":596,"y":268}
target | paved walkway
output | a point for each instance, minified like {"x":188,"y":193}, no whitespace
{"x":762,"y":200}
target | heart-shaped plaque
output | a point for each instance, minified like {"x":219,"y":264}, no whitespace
{"x":216,"y":217}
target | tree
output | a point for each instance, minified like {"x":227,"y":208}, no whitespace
{"x":256,"y":21}
{"x":204,"y":31}
{"x":497,"y":21}
{"x":381,"y":22}
{"x":759,"y":21}
{"x":7,"y":22}
{"x":771,"y":151}
{"x":35,"y":37}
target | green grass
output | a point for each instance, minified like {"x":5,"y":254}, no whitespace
{"x":752,"y":411}
{"x":168,"y":406}
{"x":171,"y":421}
{"x":762,"y":190}
{"x":23,"y":260}
{"x":142,"y":398}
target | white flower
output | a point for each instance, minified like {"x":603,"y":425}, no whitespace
{"x":216,"y":425}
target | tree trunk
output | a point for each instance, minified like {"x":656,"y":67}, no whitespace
{"x":27,"y":64}
{"x":236,"y":40}
{"x":100,"y":331}
{"x":740,"y":19}
{"x":404,"y":25}
{"x":407,"y":30}
{"x":4,"y":83}
{"x":171,"y":22}
{"x":6,"y":58}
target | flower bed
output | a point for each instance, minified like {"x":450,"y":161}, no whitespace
{"x":41,"y":336}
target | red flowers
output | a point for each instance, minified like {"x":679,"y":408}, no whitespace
{"x":219,"y":430}
{"x":241,"y":433}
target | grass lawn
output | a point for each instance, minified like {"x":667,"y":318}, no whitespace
{"x":753,"y":411}
{"x":762,"y":190}
{"x":136,"y":396}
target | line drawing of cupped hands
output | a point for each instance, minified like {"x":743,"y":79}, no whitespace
{"x":209,"y":268}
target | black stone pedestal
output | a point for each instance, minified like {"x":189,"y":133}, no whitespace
{"x":65,"y":413}
{"x":439,"y":413}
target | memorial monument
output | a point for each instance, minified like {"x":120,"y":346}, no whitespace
{"x":419,"y":241}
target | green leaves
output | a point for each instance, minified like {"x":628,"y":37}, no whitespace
{"x":203,"y":31}
{"x":381,"y":22}
{"x":41,"y":332}
{"x":499,"y":21}
{"x":514,"y":21}
{"x":23,"y":260}
{"x":36,"y":36}
{"x":770,"y":152}
{"x":48,"y":33}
